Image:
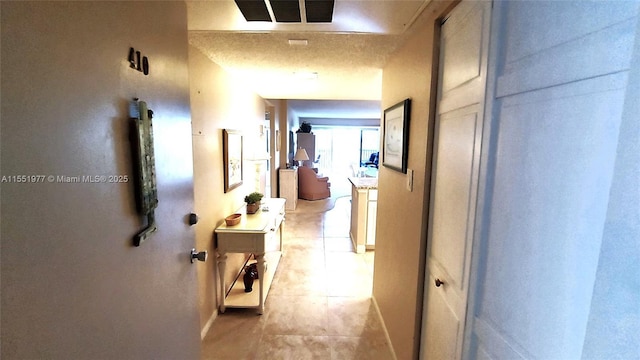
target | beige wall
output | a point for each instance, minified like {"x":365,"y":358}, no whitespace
{"x":285,"y":123}
{"x":401,"y":224}
{"x":274,"y":126}
{"x":218,"y":102}
{"x":285,"y":127}
{"x":279,"y":124}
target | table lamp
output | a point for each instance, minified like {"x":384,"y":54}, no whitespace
{"x":300,"y":156}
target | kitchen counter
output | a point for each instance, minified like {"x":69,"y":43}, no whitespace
{"x":364,"y":206}
{"x":364,"y":182}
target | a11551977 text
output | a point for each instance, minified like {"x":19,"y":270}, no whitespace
{"x":65,"y":179}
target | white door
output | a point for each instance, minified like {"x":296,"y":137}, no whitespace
{"x":558,"y":277}
{"x":458,"y":131}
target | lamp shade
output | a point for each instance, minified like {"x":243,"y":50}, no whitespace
{"x":301,"y":155}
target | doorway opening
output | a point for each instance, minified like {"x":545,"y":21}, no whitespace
{"x":342,"y":150}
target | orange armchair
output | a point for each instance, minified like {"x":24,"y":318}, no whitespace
{"x":311,"y":186}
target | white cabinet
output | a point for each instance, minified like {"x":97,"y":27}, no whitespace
{"x":364,"y":207}
{"x":372,"y":210}
{"x":289,"y":187}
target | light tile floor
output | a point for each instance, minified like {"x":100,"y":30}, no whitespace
{"x":319,"y":305}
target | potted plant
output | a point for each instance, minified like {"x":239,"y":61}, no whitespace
{"x":253,"y":202}
{"x":305,"y":128}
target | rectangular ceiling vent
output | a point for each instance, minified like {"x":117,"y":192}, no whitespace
{"x":319,"y":11}
{"x":254,"y":10}
{"x":287,"y":11}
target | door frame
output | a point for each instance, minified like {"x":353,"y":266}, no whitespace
{"x":483,"y":194}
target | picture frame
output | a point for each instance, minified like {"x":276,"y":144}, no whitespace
{"x":232,"y":158}
{"x":395,"y":142}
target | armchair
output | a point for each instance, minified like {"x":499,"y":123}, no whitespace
{"x":311,"y":186}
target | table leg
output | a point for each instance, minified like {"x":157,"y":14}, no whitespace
{"x":222,"y":264}
{"x":261,"y":275}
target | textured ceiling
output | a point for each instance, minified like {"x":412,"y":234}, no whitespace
{"x":348,"y":54}
{"x":364,"y":16}
{"x":349,"y":66}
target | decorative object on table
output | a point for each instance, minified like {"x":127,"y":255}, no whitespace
{"x":250,"y":274}
{"x":253,"y":202}
{"x":233,"y":219}
{"x":232,"y":157}
{"x":396,"y":136}
{"x":301,"y":155}
{"x":145,"y":169}
{"x":305,"y":127}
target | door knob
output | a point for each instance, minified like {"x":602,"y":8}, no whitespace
{"x":200,"y":256}
{"x":439,"y":282}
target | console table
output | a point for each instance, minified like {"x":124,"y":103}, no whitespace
{"x":261,"y":235}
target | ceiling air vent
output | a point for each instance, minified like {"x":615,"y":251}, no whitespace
{"x":319,"y":11}
{"x":254,"y":10}
{"x":287,"y":11}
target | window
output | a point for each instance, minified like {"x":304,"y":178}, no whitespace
{"x":341,"y":148}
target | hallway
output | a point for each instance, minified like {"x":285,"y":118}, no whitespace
{"x":319,"y":305}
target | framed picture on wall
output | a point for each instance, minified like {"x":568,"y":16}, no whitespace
{"x":232,"y":157}
{"x":396,"y":136}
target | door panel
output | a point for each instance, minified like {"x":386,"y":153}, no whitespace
{"x":560,"y":93}
{"x":443,"y":327}
{"x":456,"y":155}
{"x":455,"y":177}
{"x":461,"y":49}
{"x":559,"y":99}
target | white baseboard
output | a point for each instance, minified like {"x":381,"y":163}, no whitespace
{"x":207,"y":326}
{"x":384,"y":327}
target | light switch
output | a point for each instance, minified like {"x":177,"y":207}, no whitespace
{"x":410,"y":180}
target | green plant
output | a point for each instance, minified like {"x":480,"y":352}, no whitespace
{"x":253,"y":198}
{"x":305,"y":127}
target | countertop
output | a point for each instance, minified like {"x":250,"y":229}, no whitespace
{"x":364,"y":182}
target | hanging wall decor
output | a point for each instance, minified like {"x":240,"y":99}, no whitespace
{"x":396,"y":136}
{"x":145,"y":169}
{"x":232,"y":157}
